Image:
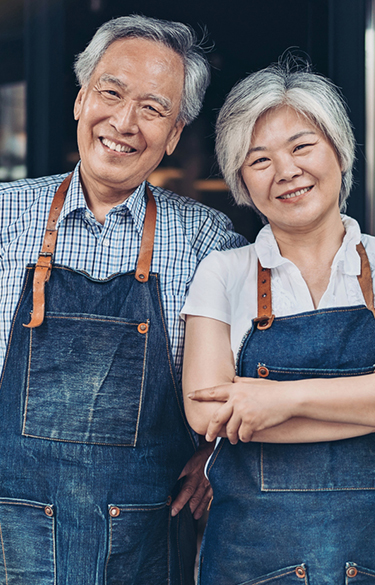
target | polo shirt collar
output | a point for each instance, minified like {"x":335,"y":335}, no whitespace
{"x":346,"y":260}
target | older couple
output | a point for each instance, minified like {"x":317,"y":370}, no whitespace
{"x":100,"y":474}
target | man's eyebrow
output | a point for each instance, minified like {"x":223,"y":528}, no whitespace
{"x":164,"y":102}
{"x":106,"y":78}
{"x":291,"y":139}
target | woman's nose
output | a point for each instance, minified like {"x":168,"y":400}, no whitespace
{"x":286,"y":170}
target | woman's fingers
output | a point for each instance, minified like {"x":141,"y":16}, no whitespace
{"x":219,"y":419}
{"x":215,"y":394}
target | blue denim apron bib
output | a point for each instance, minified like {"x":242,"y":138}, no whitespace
{"x":290,"y":514}
{"x":92,"y":431}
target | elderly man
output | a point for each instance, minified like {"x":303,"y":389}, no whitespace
{"x":93,"y":439}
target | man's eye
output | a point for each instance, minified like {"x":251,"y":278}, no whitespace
{"x":111,"y":92}
{"x":152,"y":110}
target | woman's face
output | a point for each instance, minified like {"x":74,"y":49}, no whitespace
{"x":292,"y":171}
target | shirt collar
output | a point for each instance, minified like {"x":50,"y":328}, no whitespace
{"x":347,"y":258}
{"x":75,"y":200}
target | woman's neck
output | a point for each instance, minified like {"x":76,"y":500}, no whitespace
{"x":312,"y":251}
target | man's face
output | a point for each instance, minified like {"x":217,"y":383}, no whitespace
{"x":127,"y":115}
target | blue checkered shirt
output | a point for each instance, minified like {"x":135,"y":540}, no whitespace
{"x":186,"y":232}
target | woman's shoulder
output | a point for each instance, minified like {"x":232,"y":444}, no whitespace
{"x":221,"y":259}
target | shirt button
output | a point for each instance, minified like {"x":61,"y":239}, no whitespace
{"x":106,"y":243}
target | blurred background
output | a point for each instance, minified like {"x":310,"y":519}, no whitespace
{"x":40,"y":38}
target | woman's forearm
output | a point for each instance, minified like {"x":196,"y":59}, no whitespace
{"x":304,"y":430}
{"x":342,"y":400}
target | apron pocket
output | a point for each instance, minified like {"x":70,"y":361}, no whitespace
{"x":357,"y":575}
{"x":295,"y":575}
{"x":347,"y":464}
{"x":138,"y":544}
{"x":85,"y":379}
{"x":27,"y":538}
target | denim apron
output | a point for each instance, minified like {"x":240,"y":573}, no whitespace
{"x":92,"y":432}
{"x":293,"y":514}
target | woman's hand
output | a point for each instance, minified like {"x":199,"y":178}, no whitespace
{"x":248,"y":405}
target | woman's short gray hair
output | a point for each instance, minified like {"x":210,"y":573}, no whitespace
{"x":282,"y":84}
{"x":175,"y":35}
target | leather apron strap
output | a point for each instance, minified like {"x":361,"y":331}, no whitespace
{"x":43,"y":266}
{"x":265,"y":317}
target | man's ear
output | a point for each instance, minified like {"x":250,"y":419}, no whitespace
{"x":78,"y":103}
{"x":174,"y":137}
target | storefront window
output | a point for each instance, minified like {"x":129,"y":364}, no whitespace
{"x":12,"y":131}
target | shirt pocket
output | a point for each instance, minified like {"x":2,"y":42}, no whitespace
{"x":138,"y":544}
{"x":27,"y":535}
{"x":85,"y":379}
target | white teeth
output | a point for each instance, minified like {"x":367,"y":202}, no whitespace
{"x":117,"y":147}
{"x":296,"y":193}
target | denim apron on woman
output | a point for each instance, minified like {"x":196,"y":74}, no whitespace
{"x":293,"y":514}
{"x":92,"y":432}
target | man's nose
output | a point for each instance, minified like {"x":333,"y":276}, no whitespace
{"x":286,"y":169}
{"x":125,"y":119}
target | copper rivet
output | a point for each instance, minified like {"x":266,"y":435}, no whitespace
{"x":114,"y":511}
{"x":169,"y":500}
{"x":141,"y":276}
{"x":300,"y":572}
{"x":142,"y":328}
{"x":263,"y":371}
{"x":351,"y":572}
{"x":48,"y":511}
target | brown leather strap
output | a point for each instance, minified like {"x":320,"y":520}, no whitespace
{"x":147,"y":243}
{"x":265,"y":317}
{"x":44,"y":264}
{"x":365,"y":279}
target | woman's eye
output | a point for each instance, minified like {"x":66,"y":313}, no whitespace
{"x":259,"y":160}
{"x":301,"y":146}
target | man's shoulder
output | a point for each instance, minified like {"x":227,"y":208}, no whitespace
{"x":186,"y":206}
{"x":50,"y":181}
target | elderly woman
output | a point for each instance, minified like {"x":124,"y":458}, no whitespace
{"x":280,"y":348}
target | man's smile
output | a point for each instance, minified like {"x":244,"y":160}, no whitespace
{"x":116,"y":146}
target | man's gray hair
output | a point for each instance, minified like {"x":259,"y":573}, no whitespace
{"x":174,"y":35}
{"x":282,"y":84}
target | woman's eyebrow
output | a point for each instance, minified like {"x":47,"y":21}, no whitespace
{"x":303,"y":133}
{"x":291,"y":139}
